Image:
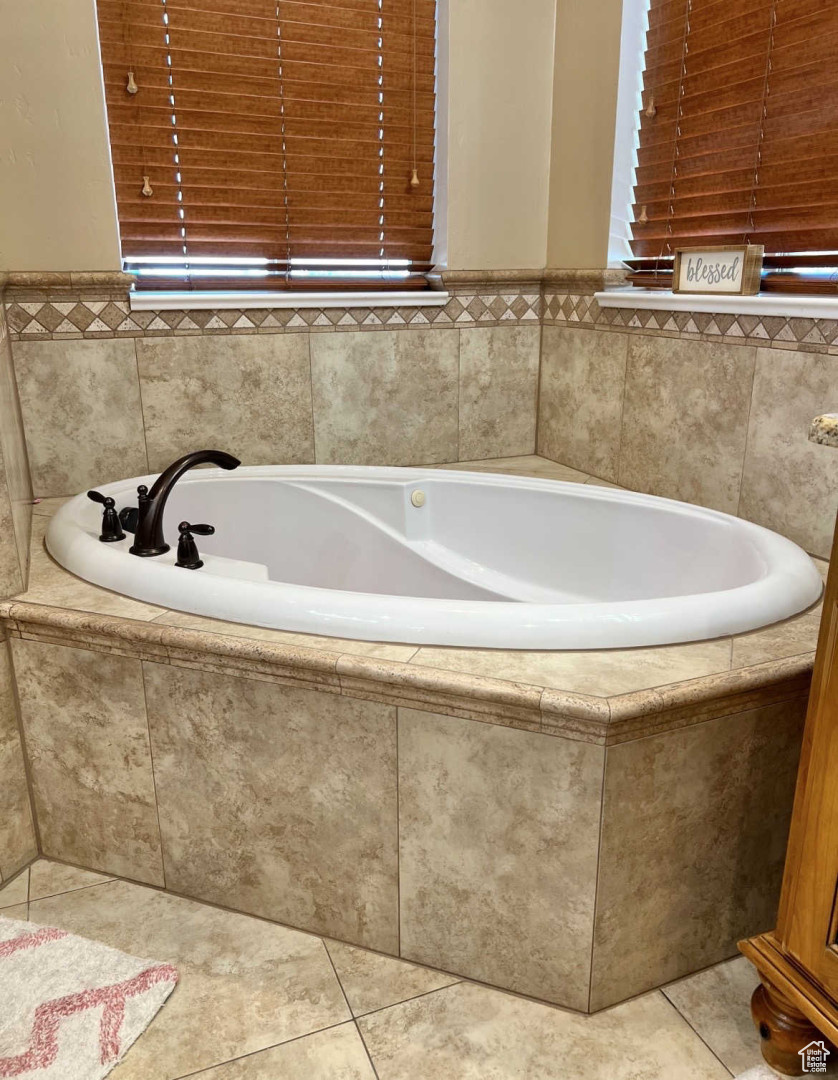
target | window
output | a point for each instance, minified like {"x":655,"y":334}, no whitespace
{"x":272,"y":143}
{"x":737,"y":138}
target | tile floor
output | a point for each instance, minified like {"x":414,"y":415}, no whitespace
{"x":259,"y":1001}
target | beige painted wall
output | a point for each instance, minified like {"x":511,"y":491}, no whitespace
{"x":587,"y":62}
{"x":56,"y":191}
{"x":499,"y":106}
{"x":55,"y":180}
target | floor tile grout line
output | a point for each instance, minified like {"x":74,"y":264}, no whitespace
{"x":458,"y":981}
{"x":694,"y":1030}
{"x":366,"y":1048}
{"x":353,"y":1019}
{"x":66,"y":892}
{"x":262,"y":1050}
{"x":337,"y":976}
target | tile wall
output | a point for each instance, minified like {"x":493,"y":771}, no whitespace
{"x":396,"y":386}
{"x":17,"y":834}
{"x":15,"y":489}
{"x":464,"y":845}
{"x":709,"y":409}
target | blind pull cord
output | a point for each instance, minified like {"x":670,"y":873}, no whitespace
{"x":148,"y":190}
{"x":131,"y":87}
{"x":414,"y":176}
{"x":651,"y":108}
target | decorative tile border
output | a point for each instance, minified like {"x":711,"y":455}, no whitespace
{"x":56,"y":315}
{"x":578,"y":717}
{"x":58,"y":312}
{"x":582,"y":309}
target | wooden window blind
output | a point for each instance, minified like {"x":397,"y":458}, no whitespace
{"x":737,"y":137}
{"x":272,"y":143}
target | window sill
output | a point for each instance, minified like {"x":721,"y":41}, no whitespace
{"x":790,"y":306}
{"x":187,"y":300}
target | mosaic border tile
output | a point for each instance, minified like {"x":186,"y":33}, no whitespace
{"x":52,"y":315}
{"x":81,"y":310}
{"x":578,"y":309}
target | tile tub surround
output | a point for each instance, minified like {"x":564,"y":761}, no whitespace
{"x":18,"y":843}
{"x":15,"y":485}
{"x":420,"y":742}
{"x":95,"y":408}
{"x":654,"y":400}
{"x":714,"y":409}
{"x":282,"y":802}
{"x":87,"y":743}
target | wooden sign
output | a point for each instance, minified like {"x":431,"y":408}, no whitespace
{"x":731,"y":270}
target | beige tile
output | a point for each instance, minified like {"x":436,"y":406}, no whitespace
{"x":788,"y":638}
{"x":694,"y":832}
{"x":13,"y":444}
{"x":601,"y":672}
{"x":790,"y":484}
{"x":597,"y":482}
{"x":716,"y":1004}
{"x":685,"y":420}
{"x":15,"y":891}
{"x":498,"y":837}
{"x":11,"y":575}
{"x":372,"y":981}
{"x":17,"y":836}
{"x":473,"y":1033}
{"x":51,"y":584}
{"x":81,"y":410}
{"x":244,"y":985}
{"x":249,"y":395}
{"x":382,"y":649}
{"x":47,"y":878}
{"x":278,"y":801}
{"x":583,"y":375}
{"x":520,"y":465}
{"x":498,"y":387}
{"x":47,"y":507}
{"x":21,"y":911}
{"x":335,"y":1054}
{"x":388,"y":398}
{"x":87,"y":740}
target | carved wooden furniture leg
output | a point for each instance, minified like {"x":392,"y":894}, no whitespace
{"x":783,"y":1029}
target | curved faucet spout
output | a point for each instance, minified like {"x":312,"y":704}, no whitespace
{"x":149,"y":539}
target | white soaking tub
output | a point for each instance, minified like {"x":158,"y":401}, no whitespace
{"x":484,"y":560}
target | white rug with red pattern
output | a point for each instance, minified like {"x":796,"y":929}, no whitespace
{"x":71,"y":1008}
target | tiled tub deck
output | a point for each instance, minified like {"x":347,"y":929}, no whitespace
{"x":578,"y":827}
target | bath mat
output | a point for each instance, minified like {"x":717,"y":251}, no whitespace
{"x":71,"y":1008}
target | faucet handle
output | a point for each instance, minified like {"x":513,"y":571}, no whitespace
{"x":111,"y":527}
{"x":187,"y":550}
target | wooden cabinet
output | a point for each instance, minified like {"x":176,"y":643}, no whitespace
{"x":797,"y":1001}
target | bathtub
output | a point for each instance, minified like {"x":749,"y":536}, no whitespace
{"x":448,"y":558}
